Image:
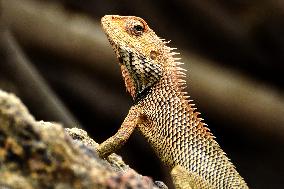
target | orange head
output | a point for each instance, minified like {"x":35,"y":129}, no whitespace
{"x":141,"y":53}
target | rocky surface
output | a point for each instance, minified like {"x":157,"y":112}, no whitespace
{"x":37,"y":154}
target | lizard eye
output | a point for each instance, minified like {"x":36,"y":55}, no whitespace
{"x":135,"y":28}
{"x":138,"y":28}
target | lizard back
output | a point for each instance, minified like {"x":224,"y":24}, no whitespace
{"x":179,"y":137}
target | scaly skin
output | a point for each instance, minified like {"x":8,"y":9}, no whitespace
{"x":162,"y":112}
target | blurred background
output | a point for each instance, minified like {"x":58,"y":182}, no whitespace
{"x":56,"y":58}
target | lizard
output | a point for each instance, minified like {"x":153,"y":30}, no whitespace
{"x":162,"y":111}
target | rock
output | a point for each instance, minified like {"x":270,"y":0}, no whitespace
{"x":38,"y":154}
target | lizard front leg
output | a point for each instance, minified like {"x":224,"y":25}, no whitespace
{"x":115,"y":142}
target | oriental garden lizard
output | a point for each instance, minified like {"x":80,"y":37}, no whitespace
{"x":162,"y":111}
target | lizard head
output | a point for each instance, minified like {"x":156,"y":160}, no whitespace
{"x":140,"y":51}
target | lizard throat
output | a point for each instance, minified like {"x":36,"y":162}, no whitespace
{"x":138,"y":73}
{"x":132,"y":85}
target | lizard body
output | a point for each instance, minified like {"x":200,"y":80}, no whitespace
{"x":162,"y":112}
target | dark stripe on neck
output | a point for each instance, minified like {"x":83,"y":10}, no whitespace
{"x":141,"y":95}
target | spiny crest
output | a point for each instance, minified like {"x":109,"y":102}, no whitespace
{"x":177,"y":71}
{"x":179,"y":75}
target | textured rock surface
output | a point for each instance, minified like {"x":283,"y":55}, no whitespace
{"x":43,"y":155}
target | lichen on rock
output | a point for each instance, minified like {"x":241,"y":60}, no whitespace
{"x":38,"y":154}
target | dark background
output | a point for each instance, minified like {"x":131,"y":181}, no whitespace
{"x":55,"y":57}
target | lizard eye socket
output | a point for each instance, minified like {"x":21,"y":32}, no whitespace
{"x":135,"y":27}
